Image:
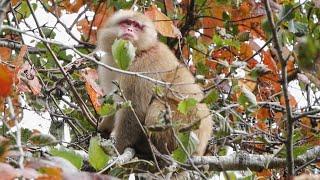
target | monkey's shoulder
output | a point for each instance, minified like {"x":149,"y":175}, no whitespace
{"x":157,"y":57}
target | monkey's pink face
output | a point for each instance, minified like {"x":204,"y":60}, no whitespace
{"x":130,"y":29}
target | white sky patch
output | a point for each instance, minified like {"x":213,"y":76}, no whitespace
{"x":32,"y":120}
{"x":295,"y":90}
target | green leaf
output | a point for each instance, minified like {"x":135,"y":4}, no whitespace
{"x":212,"y":97}
{"x":69,"y":155}
{"x":266,"y":26}
{"x":226,"y":16}
{"x":186,"y":105}
{"x":48,"y":33}
{"x":43,"y":139}
{"x":285,"y":9}
{"x":247,"y":98}
{"x":231,"y":175}
{"x":24,"y":10}
{"x":297,"y":28}
{"x":107,"y":109}
{"x":123,"y":53}
{"x":217,"y":40}
{"x":190,"y":143}
{"x":299,"y":150}
{"x":225,"y":42}
{"x":97,"y":157}
{"x":308,"y":51}
{"x":192,"y":41}
{"x":202,"y":69}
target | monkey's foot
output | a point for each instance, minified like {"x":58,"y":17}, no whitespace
{"x":108,"y":146}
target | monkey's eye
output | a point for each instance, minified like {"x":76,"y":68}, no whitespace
{"x":126,"y":22}
{"x":129,"y":22}
{"x":138,"y":25}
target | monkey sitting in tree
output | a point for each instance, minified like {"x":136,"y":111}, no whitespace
{"x":157,"y":60}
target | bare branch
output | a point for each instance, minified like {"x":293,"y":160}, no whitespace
{"x":284,"y":84}
{"x":244,"y":161}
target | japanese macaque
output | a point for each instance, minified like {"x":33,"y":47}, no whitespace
{"x":156,"y":60}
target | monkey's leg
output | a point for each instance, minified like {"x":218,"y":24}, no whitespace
{"x":106,"y":125}
{"x":163,"y":140}
{"x":205,"y":129}
{"x":127,"y":131}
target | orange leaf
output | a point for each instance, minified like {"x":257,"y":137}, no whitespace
{"x":72,"y":7}
{"x":53,"y":172}
{"x":6,"y":80}
{"x":95,"y":92}
{"x":307,"y":126}
{"x":169,"y":6}
{"x":269,"y":61}
{"x":84,"y":25}
{"x":19,"y":60}
{"x":5,"y":53}
{"x":14,"y":2}
{"x":163,"y":24}
{"x":278,"y":117}
{"x":208,"y":28}
{"x":262,"y":125}
{"x":292,"y":101}
{"x":245,"y":51}
{"x":262,"y":114}
{"x":273,"y":79}
{"x":264,"y":173}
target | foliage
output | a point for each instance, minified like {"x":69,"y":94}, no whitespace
{"x":123,"y":53}
{"x":228,"y":45}
{"x":97,"y":158}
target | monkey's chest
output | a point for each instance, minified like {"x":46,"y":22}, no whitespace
{"x":136,"y":89}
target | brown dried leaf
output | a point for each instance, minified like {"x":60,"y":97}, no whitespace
{"x":4,"y":147}
{"x":19,"y":60}
{"x":27,"y":80}
{"x":292,"y":101}
{"x":169,"y":6}
{"x":94,"y":90}
{"x":263,"y":114}
{"x":74,"y":6}
{"x":163,"y":24}
{"x":269,"y":61}
{"x":100,"y":17}
{"x":5,"y":53}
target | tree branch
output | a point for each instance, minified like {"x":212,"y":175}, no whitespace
{"x":284,"y":84}
{"x":243,"y":161}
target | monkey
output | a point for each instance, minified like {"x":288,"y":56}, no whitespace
{"x":155,"y":58}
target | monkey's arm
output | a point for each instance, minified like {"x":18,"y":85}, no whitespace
{"x":106,"y":77}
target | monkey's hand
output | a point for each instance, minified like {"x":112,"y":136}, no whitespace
{"x":108,"y":145}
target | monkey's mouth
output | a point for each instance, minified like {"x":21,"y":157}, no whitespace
{"x":127,"y":36}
